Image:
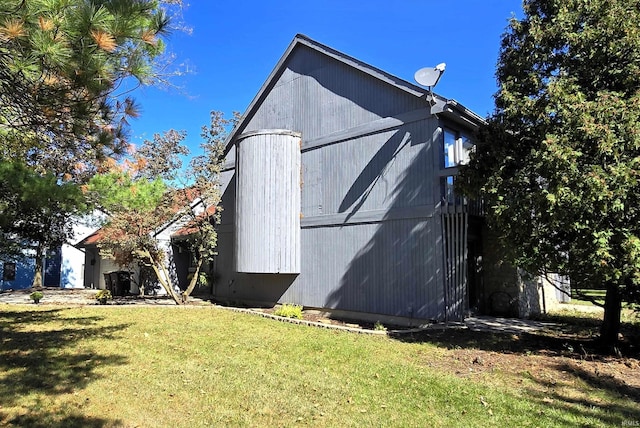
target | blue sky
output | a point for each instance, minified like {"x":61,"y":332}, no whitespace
{"x":234,"y":46}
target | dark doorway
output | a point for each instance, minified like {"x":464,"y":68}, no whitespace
{"x":475,"y":283}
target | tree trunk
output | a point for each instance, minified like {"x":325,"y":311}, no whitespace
{"x":192,"y":284}
{"x":38,"y":268}
{"x":611,"y":322}
{"x":163,"y":277}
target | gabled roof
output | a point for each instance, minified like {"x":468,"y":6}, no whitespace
{"x":190,"y":196}
{"x":190,"y":228}
{"x":448,"y":107}
{"x":90,"y":240}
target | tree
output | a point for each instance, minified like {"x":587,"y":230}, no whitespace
{"x":145,"y":194}
{"x":62,"y":63}
{"x":137,"y":208}
{"x":34,"y":212}
{"x":559,"y":161}
{"x":204,"y":173}
{"x":66,"y":68}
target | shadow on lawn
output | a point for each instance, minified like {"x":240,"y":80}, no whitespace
{"x":572,"y":336}
{"x":574,"y":339}
{"x":46,"y":361}
{"x":49,"y":421}
{"x":617,"y":411}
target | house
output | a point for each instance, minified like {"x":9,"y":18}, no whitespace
{"x":18,"y":273}
{"x":103,"y":273}
{"x":62,"y":267}
{"x":338,"y":195}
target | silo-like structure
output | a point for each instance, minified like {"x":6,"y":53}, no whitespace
{"x":267,"y":217}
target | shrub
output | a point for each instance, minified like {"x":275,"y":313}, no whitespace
{"x":379,"y":326}
{"x":289,"y":310}
{"x":36,"y":296}
{"x":103,"y":295}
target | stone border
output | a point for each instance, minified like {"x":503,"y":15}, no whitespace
{"x":331,"y":326}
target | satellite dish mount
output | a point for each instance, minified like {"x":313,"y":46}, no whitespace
{"x":429,"y":77}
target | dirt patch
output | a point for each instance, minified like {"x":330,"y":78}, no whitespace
{"x":546,"y":359}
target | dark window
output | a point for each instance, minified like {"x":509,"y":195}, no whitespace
{"x":9,"y":272}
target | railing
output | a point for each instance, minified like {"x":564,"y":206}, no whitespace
{"x":452,"y":202}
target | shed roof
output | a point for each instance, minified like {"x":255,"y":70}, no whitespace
{"x":90,"y":241}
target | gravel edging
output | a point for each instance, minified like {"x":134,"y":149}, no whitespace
{"x":323,"y":325}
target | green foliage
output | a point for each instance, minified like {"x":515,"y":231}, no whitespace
{"x":36,"y":211}
{"x":104,"y":295}
{"x":289,"y":310}
{"x":118,"y":190}
{"x":202,"y":279}
{"x":558,"y":161}
{"x":378,"y":326}
{"x":36,"y":296}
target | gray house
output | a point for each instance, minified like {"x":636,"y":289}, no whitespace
{"x":339,"y":195}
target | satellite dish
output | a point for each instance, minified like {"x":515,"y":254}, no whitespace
{"x":429,"y":76}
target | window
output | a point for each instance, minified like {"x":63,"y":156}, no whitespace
{"x":446,"y":189}
{"x":456,"y":149}
{"x":9,"y":272}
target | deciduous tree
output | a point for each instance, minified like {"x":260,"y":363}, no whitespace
{"x":152,"y":190}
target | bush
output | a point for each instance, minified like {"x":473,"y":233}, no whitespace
{"x":378,"y":326}
{"x":103,"y":295}
{"x":36,"y":296}
{"x":289,"y":310}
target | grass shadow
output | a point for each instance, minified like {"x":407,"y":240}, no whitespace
{"x":620,"y":406}
{"x":566,"y":335}
{"x":524,"y":343}
{"x":46,"y":420}
{"x":41,"y":354}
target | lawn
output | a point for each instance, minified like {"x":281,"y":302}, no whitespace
{"x":596,"y":294}
{"x":137,"y":366}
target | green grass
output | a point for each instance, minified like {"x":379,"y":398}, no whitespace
{"x":596,"y":294}
{"x":194,"y":367}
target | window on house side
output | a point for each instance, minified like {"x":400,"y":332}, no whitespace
{"x":9,"y":272}
{"x":456,"y":149}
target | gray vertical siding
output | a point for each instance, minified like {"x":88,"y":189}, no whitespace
{"x":386,"y":267}
{"x":318,"y":95}
{"x":268,"y":202}
{"x":371,"y":237}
